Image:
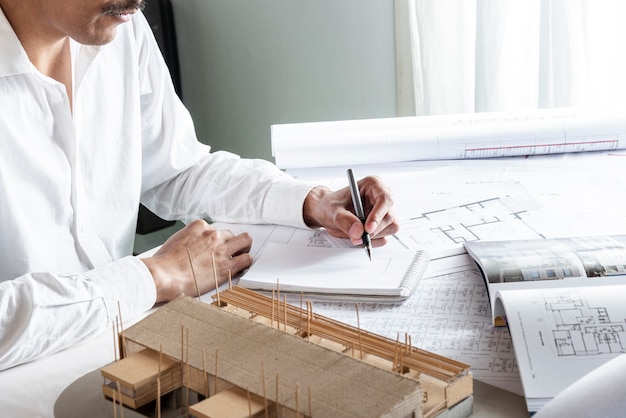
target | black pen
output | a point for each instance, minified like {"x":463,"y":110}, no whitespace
{"x":358,"y":211}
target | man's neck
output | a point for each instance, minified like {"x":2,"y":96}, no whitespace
{"x":48,"y":50}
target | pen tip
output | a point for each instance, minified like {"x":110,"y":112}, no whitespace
{"x":369,"y":252}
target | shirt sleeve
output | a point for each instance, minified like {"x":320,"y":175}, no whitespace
{"x":226,"y":188}
{"x":183,"y":179}
{"x":42,"y":313}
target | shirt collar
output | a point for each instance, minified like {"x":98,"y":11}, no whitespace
{"x":14,"y":59}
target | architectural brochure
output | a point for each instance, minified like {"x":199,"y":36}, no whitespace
{"x":563,"y":302}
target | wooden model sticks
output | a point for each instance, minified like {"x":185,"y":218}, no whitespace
{"x":412,"y":357}
{"x":240,"y":319}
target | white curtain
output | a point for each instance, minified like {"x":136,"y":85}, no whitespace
{"x":460,"y":56}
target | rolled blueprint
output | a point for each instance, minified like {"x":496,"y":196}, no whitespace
{"x":448,"y":137}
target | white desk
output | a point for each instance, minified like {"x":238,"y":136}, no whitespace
{"x":32,"y":389}
{"x":84,"y":399}
{"x":68,"y":383}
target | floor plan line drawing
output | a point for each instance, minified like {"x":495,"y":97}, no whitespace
{"x":490,"y":218}
{"x":465,"y":231}
{"x":580,"y":329}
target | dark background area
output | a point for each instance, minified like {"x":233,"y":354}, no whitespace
{"x":159,"y":15}
{"x":161,"y":19}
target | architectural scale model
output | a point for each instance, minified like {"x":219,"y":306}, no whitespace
{"x":248,"y":354}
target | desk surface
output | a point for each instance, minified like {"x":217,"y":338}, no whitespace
{"x":33,"y":389}
{"x":84,"y":398}
{"x":68,"y":384}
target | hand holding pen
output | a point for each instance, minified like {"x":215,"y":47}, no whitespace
{"x":334,"y":211}
{"x":358,"y":211}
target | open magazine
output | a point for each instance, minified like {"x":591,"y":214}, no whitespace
{"x":564,"y":301}
{"x":547,"y":263}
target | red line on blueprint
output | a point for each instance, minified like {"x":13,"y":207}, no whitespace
{"x":544,"y":145}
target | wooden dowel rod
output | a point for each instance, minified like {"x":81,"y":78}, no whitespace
{"x":114,"y":405}
{"x":358,"y":324}
{"x":207,"y":392}
{"x":285,"y":303}
{"x":267,"y":412}
{"x":217,"y":286}
{"x":297,"y":400}
{"x":193,"y":273}
{"x":215,"y":384}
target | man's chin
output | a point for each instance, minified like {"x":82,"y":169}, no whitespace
{"x":103,"y":36}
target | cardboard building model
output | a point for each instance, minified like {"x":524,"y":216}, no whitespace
{"x":251,"y":355}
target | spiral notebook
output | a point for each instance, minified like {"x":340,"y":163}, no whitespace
{"x":337,"y":273}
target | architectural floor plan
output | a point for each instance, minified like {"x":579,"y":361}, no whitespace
{"x":490,"y":218}
{"x":580,"y":329}
{"x":562,"y":332}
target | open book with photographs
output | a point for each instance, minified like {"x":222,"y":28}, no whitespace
{"x":563,"y":301}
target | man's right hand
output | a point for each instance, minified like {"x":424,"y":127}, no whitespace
{"x":171,"y":268}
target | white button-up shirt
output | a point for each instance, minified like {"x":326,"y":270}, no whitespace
{"x":72,"y":179}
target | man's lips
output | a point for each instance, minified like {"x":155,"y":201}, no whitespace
{"x":121,"y":12}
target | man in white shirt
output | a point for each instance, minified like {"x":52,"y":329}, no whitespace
{"x":90,"y":126}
